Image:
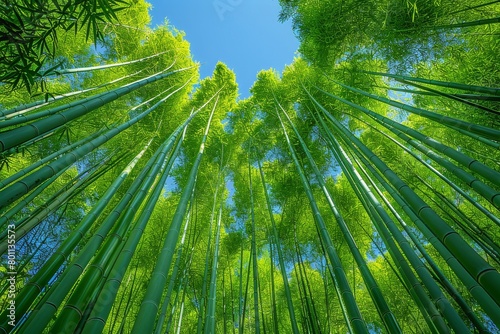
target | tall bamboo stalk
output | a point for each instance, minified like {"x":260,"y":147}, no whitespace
{"x":354,"y":320}
{"x":281,"y":261}
{"x":101,"y":306}
{"x":255,"y":267}
{"x":102,"y":67}
{"x":14,"y":137}
{"x":149,"y":307}
{"x":127,"y":206}
{"x":455,"y":85}
{"x":485,"y":274}
{"x":384,"y":311}
{"x":24,"y":186}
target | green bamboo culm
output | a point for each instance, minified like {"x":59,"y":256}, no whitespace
{"x":25,"y":171}
{"x":71,"y":189}
{"x":436,"y":270}
{"x":352,"y":315}
{"x":102,"y":67}
{"x":211,"y":303}
{"x":13,"y":192}
{"x":459,"y":190}
{"x":448,"y":84}
{"x":483,"y":272}
{"x":42,"y":277}
{"x":84,"y":299}
{"x":7,"y":216}
{"x":431,"y":315}
{"x":149,"y":307}
{"x":492,"y":195}
{"x":449,"y":96}
{"x":208,"y":253}
{"x":438,"y":298}
{"x":484,"y":131}
{"x":33,"y":116}
{"x":19,"y":111}
{"x":482,"y":297}
{"x":166,"y":301}
{"x":110,"y":253}
{"x":101,"y":306}
{"x":253,"y":248}
{"x":475,"y":23}
{"x":206,"y":322}
{"x":123,"y":211}
{"x":385,"y":313}
{"x":281,"y":261}
{"x":14,"y":137}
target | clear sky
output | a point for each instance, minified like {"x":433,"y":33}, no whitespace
{"x":244,"y":34}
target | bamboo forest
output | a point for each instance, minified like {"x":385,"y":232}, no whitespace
{"x":356,"y":191}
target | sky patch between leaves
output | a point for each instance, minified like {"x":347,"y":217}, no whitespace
{"x":245,"y":35}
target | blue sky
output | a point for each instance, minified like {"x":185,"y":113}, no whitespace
{"x":244,"y":34}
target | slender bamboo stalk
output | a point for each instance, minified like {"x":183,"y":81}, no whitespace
{"x":457,"y":25}
{"x":467,"y":7}
{"x":275,"y":326}
{"x":21,"y":118}
{"x":42,"y":277}
{"x":479,"y":235}
{"x":428,"y":93}
{"x":354,"y":320}
{"x":244,"y":298}
{"x":484,"y":131}
{"x":441,"y":278}
{"x":472,"y":88}
{"x":210,"y":320}
{"x":276,"y":240}
{"x":173,"y":277}
{"x":407,"y":277}
{"x":485,"y":274}
{"x":102,"y":67}
{"x":4,"y":220}
{"x":202,"y":303}
{"x":14,"y":137}
{"x":383,"y":309}
{"x":484,"y":190}
{"x":101,"y":306}
{"x":240,"y":294}
{"x":22,"y":109}
{"x":113,"y":252}
{"x":70,"y":190}
{"x":484,"y":299}
{"x":22,"y":187}
{"x":474,"y":165}
{"x":449,"y":96}
{"x":307,"y":299}
{"x":135,"y":194}
{"x":149,"y":307}
{"x":426,"y":305}
{"x":463,"y":193}
{"x":42,"y":161}
{"x":255,"y":268}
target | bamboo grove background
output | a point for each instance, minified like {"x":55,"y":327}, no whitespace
{"x":358,"y":191}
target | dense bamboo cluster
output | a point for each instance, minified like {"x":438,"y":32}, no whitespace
{"x":358,"y":191}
